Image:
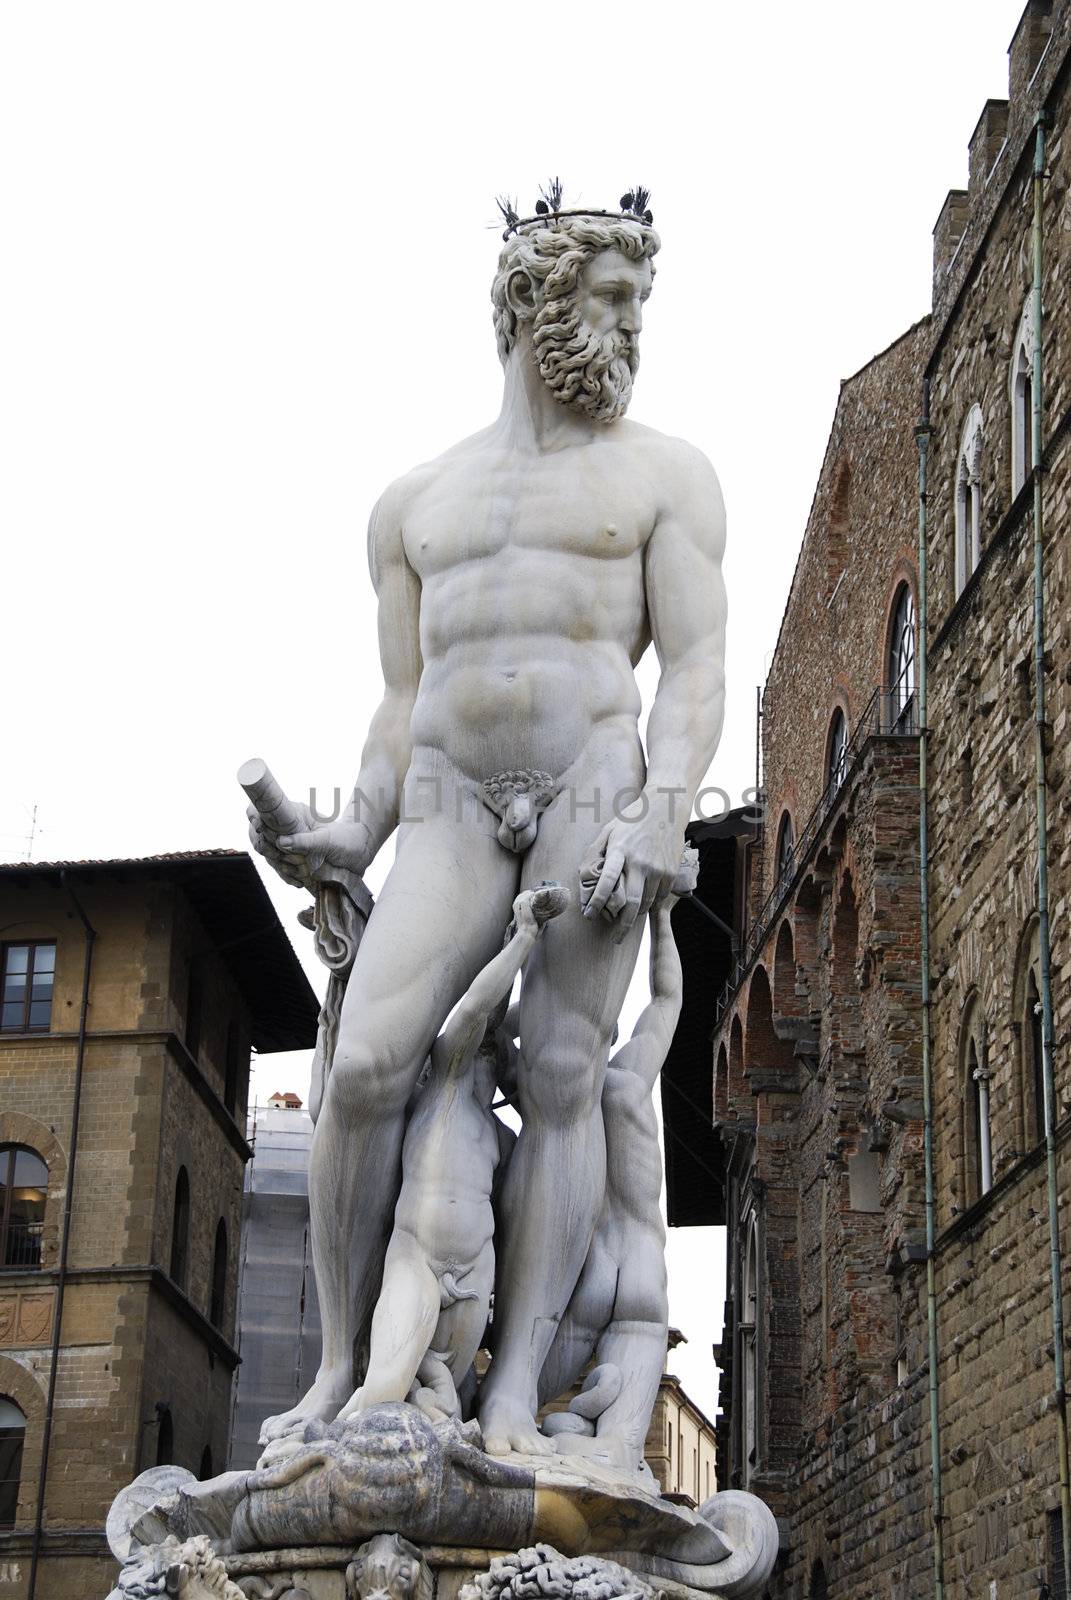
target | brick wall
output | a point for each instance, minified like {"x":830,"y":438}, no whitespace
{"x":129,"y":1338}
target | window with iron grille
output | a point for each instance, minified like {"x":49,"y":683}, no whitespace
{"x":12,"y":1435}
{"x":26,"y":987}
{"x":23,"y":1192}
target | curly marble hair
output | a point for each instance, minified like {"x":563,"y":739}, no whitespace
{"x":551,"y":258}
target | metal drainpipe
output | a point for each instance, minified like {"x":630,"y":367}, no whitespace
{"x":1044,"y":946}
{"x":922,"y":434}
{"x":65,"y":1239}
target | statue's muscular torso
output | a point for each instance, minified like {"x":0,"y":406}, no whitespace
{"x":532,"y":606}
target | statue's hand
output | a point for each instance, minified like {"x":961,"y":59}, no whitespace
{"x":534,"y":908}
{"x":300,"y":858}
{"x":629,"y":866}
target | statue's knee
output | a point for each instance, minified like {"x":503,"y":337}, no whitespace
{"x":564,"y":1086}
{"x":365,"y":1082}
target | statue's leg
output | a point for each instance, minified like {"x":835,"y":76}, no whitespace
{"x":638,"y":1350}
{"x":587,"y":1313}
{"x":402,"y":1327}
{"x":635,"y":1340}
{"x":463,"y":1324}
{"x":438,"y":920}
{"x":572,"y":992}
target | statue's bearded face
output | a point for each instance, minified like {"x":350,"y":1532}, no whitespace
{"x":587,"y":345}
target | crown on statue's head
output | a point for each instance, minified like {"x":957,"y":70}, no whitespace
{"x":635,"y":207}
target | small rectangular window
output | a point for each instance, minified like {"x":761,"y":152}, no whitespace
{"x":26,"y":987}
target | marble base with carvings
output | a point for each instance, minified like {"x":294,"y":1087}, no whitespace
{"x":391,"y":1505}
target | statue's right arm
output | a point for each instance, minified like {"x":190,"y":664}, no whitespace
{"x":388,"y":748}
{"x":353,"y":840}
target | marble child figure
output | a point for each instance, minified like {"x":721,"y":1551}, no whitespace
{"x":619,"y":1312}
{"x":521,"y":576}
{"x":440,"y":1268}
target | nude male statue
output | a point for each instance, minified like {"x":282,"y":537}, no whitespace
{"x":520,"y":576}
{"x":440,"y":1267}
{"x":619,"y":1311}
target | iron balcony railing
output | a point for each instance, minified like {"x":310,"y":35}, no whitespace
{"x":22,"y":1244}
{"x":889,"y":714}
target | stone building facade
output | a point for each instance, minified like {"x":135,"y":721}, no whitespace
{"x":681,"y":1443}
{"x":818,"y":1041}
{"x":187,"y":968}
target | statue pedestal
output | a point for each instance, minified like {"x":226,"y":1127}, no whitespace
{"x":391,"y":1505}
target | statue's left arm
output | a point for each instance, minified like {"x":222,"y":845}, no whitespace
{"x":686,"y":612}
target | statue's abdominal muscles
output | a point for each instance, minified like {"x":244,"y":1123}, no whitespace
{"x":528,"y":639}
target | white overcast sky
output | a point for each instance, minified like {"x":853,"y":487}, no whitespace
{"x":244,"y":283}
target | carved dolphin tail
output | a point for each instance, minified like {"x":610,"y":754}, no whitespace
{"x":601,"y":1388}
{"x":450,"y":1294}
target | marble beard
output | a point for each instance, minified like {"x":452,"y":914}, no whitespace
{"x":520,"y":577}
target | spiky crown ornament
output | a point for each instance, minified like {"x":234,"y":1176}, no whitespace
{"x":635,"y":207}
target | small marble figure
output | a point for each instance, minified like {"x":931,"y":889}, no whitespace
{"x":440,"y":1267}
{"x":619,"y":1309}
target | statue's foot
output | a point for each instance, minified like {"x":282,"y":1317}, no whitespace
{"x":353,"y":1405}
{"x":331,"y":1389}
{"x":508,"y":1427}
{"x":429,"y":1404}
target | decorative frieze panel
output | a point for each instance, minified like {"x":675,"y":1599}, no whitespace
{"x":25,"y":1317}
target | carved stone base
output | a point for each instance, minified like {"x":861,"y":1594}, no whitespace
{"x":308,"y":1526}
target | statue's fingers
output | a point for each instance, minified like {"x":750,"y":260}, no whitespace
{"x":653,"y":889}
{"x":591,"y":862}
{"x":634,"y":889}
{"x":616,"y":903}
{"x":611,"y":871}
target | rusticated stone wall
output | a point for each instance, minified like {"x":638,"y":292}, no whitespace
{"x":850,"y":1474}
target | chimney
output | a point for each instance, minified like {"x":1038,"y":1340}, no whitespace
{"x":946,"y":236}
{"x":985,"y":144}
{"x":1028,"y":43}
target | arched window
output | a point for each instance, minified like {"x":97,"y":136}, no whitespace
{"x":1021,"y":385}
{"x":969,"y":499}
{"x":837,"y":753}
{"x":819,"y":1585}
{"x":977,"y":1141}
{"x":205,"y":1471}
{"x":23,"y":1192}
{"x":786,"y":849}
{"x":749,"y":1353}
{"x":165,"y":1436}
{"x":180,"y":1229}
{"x":1033,"y":1047}
{"x":901,"y":667}
{"x":219,"y":1276}
{"x":12,"y":1436}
